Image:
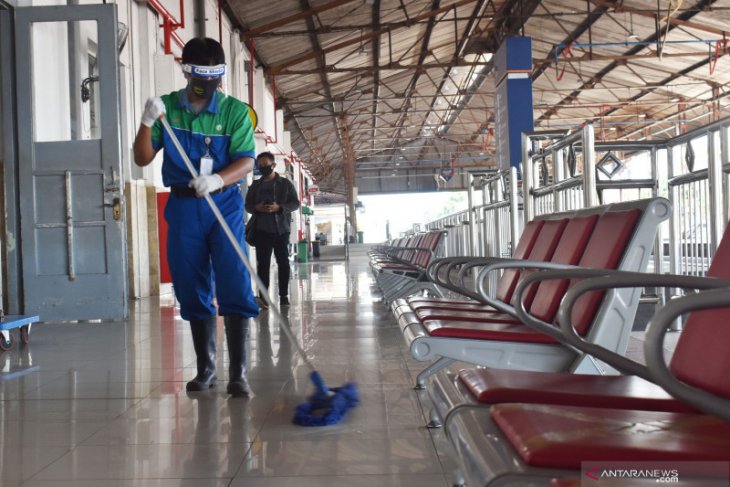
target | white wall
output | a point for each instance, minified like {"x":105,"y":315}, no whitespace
{"x":145,"y":71}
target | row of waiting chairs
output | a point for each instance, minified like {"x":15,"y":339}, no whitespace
{"x":400,"y":266}
{"x":532,"y":417}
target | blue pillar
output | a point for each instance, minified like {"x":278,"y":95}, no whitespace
{"x":513,"y":99}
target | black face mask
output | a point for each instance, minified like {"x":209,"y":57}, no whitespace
{"x":203,"y":88}
{"x":266,"y":170}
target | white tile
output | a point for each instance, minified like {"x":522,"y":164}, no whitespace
{"x":322,"y":457}
{"x":109,"y":407}
{"x":161,"y":461}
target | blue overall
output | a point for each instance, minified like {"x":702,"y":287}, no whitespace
{"x":196,"y":244}
{"x":198,"y":250}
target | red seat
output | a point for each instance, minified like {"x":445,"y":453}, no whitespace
{"x":565,"y":483}
{"x":508,"y":281}
{"x":465,"y":315}
{"x":495,"y":386}
{"x":510,"y":332}
{"x":539,"y":242}
{"x":444,"y":304}
{"x":576,"y":482}
{"x":604,"y":250}
{"x":608,"y":240}
{"x":563,"y":437}
{"x":529,"y":246}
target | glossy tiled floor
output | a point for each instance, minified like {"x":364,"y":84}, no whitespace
{"x":105,"y":404}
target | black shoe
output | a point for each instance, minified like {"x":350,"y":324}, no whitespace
{"x":201,"y":383}
{"x":283,"y":301}
{"x":203,"y":332}
{"x":237,"y":338}
{"x":238,"y":388}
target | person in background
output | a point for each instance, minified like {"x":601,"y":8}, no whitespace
{"x":271,"y":199}
{"x":216,"y":133}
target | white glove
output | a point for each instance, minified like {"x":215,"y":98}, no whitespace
{"x":206,"y":184}
{"x":153,"y":109}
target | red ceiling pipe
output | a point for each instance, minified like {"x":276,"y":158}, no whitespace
{"x":220,"y":23}
{"x":169,"y":23}
{"x":276,"y":125}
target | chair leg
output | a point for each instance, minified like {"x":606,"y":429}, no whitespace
{"x":430,"y":370}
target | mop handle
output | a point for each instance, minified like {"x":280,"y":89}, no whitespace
{"x":284,"y":323}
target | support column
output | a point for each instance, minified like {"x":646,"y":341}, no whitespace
{"x":349,"y":171}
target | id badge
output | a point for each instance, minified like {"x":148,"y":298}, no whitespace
{"x":206,"y":165}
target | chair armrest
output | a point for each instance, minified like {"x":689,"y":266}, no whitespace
{"x":613,"y":279}
{"x":653,"y":350}
{"x":399,"y":250}
{"x":451,"y":263}
{"x":487,"y":261}
{"x":483,"y":278}
{"x":435,"y":267}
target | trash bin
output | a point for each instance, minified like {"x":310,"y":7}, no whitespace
{"x":315,"y":249}
{"x":303,"y":251}
{"x":360,"y":237}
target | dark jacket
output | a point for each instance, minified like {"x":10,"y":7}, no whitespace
{"x":285,"y":195}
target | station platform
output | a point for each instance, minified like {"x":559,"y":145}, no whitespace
{"x":93,"y":404}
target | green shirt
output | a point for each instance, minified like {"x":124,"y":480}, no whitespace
{"x":222,"y":130}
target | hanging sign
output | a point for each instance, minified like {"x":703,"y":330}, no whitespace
{"x":314,"y":189}
{"x":447,"y":172}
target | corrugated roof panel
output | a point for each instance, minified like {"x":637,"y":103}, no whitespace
{"x":425,"y":102}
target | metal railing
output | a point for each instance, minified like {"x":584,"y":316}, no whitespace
{"x":553,"y":176}
{"x":692,"y":170}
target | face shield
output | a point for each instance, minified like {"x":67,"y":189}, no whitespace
{"x":204,"y":80}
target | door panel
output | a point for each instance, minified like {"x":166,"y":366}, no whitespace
{"x":72,"y":229}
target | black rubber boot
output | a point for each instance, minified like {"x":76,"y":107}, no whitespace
{"x":204,"y":332}
{"x":237,"y":337}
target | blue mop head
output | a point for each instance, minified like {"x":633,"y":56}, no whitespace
{"x":326,"y":406}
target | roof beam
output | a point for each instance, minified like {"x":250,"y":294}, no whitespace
{"x":515,"y":15}
{"x":411,"y":88}
{"x":320,"y":63}
{"x":329,"y":29}
{"x":677,"y":21}
{"x":376,"y":66}
{"x":396,"y":66}
{"x":587,"y":23}
{"x":276,"y":68}
{"x":304,"y":14}
{"x":663,"y":82}
{"x":458,"y":51}
{"x":598,"y":77}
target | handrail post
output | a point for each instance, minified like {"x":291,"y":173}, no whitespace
{"x":559,"y":173}
{"x":470,"y":200}
{"x":714,"y":180}
{"x":590,"y":196}
{"x":514,"y":205}
{"x":527,"y":183}
{"x":660,"y":179}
